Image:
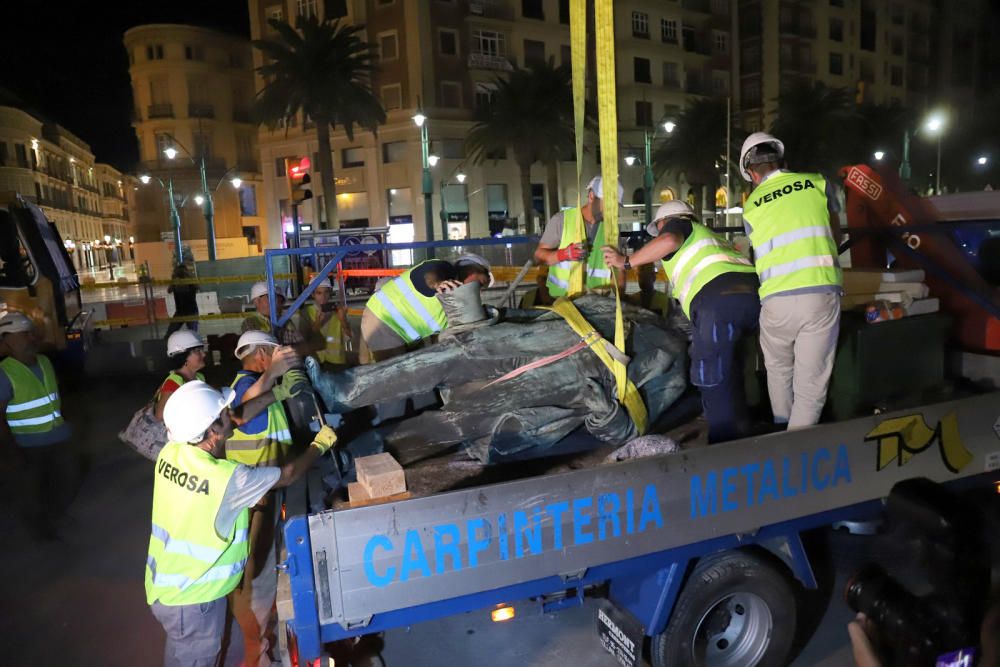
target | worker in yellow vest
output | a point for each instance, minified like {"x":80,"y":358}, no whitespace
{"x":577,"y":235}
{"x":198,"y":546}
{"x":260,"y":318}
{"x":327,"y":326}
{"x":33,"y":434}
{"x":717,"y":289}
{"x":794,"y":227}
{"x":186,"y":355}
{"x":265,"y":440}
{"x":406,"y":310}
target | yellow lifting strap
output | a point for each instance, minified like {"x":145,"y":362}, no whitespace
{"x":630,"y":397}
{"x":578,"y":60}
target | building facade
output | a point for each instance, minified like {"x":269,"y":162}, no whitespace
{"x":192,"y":88}
{"x":50,"y":166}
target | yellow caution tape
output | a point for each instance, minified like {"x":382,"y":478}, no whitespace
{"x":188,"y":281}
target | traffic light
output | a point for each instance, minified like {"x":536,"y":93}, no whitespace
{"x":299,"y":182}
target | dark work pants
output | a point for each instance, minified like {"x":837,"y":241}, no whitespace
{"x":49,"y":482}
{"x":722,"y":317}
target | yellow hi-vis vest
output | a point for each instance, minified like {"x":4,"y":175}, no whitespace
{"x":188,"y":562}
{"x":598,"y":274}
{"x":703,"y":256}
{"x":334,"y":352}
{"x":34,"y":408}
{"x":406,"y":311}
{"x":268,"y":447}
{"x":790,"y":232}
{"x":257,"y":322}
{"x":178,"y":380}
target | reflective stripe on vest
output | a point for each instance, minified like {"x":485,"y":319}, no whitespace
{"x":268,"y":447}
{"x":403,"y":309}
{"x":702,"y":257}
{"x":188,"y":562}
{"x":790,"y":233}
{"x":596,"y":272}
{"x":35,"y":404}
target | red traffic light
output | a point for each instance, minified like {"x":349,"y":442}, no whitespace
{"x":299,"y":168}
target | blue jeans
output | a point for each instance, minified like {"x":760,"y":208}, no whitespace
{"x":722,"y":319}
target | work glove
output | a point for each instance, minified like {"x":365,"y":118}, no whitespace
{"x":292,"y":384}
{"x":571,"y":253}
{"x":325,"y":439}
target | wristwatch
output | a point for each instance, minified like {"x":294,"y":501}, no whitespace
{"x":627,"y":266}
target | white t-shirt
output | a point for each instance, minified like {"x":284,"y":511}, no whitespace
{"x":245,"y":489}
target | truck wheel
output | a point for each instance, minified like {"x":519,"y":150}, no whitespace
{"x":736,"y":610}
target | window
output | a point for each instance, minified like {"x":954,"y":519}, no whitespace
{"x":202,"y":144}
{"x":305,"y":8}
{"x":897,"y":45}
{"x":896,"y":75}
{"x":392,"y":96}
{"x":640,"y":25}
{"x":484,"y":94}
{"x":21,"y":151}
{"x":248,"y":199}
{"x":721,"y":41}
{"x":644,"y":114}
{"x":836,"y":63}
{"x":671,"y":79}
{"x":274,"y":13}
{"x":451,"y":94}
{"x":449,"y":149}
{"x":565,"y":55}
{"x":393,"y":151}
{"x":388,"y":45}
{"x":564,"y":12}
{"x":352,"y":157}
{"x":534,"y":52}
{"x":489,"y":43}
{"x":720,"y":83}
{"x":836,"y":30}
{"x":163,"y":142}
{"x":447,"y":42}
{"x":194,"y":52}
{"x":154,"y":52}
{"x":279,"y":167}
{"x":896,"y":13}
{"x":532,"y":9}
{"x":668,"y":31}
{"x":641,"y":70}
{"x":751,"y":93}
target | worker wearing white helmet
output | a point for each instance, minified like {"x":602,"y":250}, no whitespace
{"x":717,"y":289}
{"x":260,"y":319}
{"x":199,"y":546}
{"x":32,"y":428}
{"x":793,"y":225}
{"x":325,"y":324}
{"x":186,"y":356}
{"x":573,"y":238}
{"x":406,"y":310}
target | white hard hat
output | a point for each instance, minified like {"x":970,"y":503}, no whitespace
{"x":192,"y":408}
{"x":754,"y":140}
{"x":671,"y":209}
{"x":183,"y":340}
{"x":15,"y":322}
{"x":258,"y":290}
{"x":596,"y":186}
{"x":478,"y":260}
{"x":252,"y":339}
{"x":327,"y":282}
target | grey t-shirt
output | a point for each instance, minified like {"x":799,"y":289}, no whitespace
{"x":59,"y":434}
{"x":245,"y":489}
{"x":554,"y":229}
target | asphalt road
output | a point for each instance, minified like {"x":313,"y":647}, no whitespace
{"x":80,"y":601}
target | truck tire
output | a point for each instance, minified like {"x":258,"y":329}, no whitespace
{"x":736,"y":610}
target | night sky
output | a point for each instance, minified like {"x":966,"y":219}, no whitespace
{"x":68,"y":64}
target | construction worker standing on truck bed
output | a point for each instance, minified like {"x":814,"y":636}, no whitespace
{"x":33,"y":432}
{"x":326,"y":326}
{"x":793,"y":227}
{"x":260,"y":319}
{"x":717,"y":289}
{"x":198,"y":546}
{"x":406,"y":310}
{"x":265,"y":440}
{"x":576,"y":235}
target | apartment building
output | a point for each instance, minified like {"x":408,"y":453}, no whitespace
{"x":193,"y":88}
{"x":47,"y":164}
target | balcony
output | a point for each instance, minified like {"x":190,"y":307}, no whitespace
{"x":694,"y":45}
{"x":490,"y":61}
{"x":201,"y":111}
{"x":160,"y":111}
{"x":491,"y":9}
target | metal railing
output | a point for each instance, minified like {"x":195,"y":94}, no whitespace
{"x":201,"y":111}
{"x":160,"y":111}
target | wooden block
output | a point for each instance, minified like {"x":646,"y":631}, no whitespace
{"x":356,"y":492}
{"x":378,"y":501}
{"x":381,"y":475}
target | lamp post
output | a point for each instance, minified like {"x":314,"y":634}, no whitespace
{"x":420,"y":120}
{"x":175,"y":217}
{"x":647,"y":161}
{"x":935,"y":126}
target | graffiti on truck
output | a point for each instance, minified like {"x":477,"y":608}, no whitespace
{"x":901,"y":438}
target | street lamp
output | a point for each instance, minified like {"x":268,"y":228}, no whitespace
{"x":175,"y":217}
{"x":145,"y":178}
{"x":236,"y":181}
{"x":460,"y":177}
{"x":879,"y":155}
{"x":935,"y":127}
{"x":199,"y":200}
{"x":982,"y":160}
{"x":432,"y":160}
{"x":630,"y":160}
{"x":420,"y":120}
{"x":668,"y":126}
{"x":647,"y":182}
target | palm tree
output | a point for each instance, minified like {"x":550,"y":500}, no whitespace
{"x":697,"y":148}
{"x":531,"y":116}
{"x":323,"y":69}
{"x":820,"y":127}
